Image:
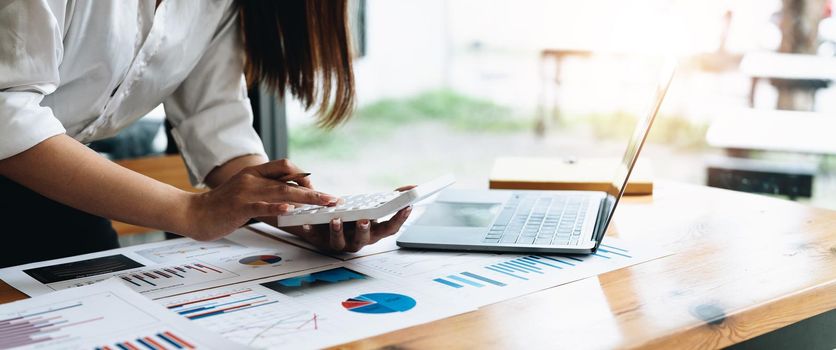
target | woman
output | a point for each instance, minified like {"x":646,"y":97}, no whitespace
{"x":76,"y":71}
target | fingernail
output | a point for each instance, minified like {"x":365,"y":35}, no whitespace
{"x":336,"y":224}
{"x":408,"y":210}
{"x":328,"y":198}
{"x":364,"y":224}
{"x":289,"y":207}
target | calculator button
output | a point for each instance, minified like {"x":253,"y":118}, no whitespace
{"x":543,"y":240}
{"x":526,"y":240}
{"x":509,"y":239}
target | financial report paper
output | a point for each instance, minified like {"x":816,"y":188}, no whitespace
{"x":169,"y":267}
{"x":259,"y":292}
{"x":106,"y":315}
{"x":479,"y":279}
{"x":313,"y":309}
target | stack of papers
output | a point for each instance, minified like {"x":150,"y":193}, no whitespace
{"x":105,"y":315}
{"x":260,"y":292}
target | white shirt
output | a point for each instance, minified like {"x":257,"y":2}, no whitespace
{"x":91,"y":68}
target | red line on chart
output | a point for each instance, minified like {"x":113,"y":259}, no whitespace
{"x":194,"y":268}
{"x":207,"y":267}
{"x":315,"y":326}
{"x":207,"y":299}
{"x":152,"y":341}
{"x":218,"y":311}
{"x":190,"y":346}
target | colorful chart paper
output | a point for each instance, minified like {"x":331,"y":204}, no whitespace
{"x":379,"y":303}
{"x":259,"y":260}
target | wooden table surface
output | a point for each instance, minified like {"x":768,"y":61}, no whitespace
{"x":743,"y":265}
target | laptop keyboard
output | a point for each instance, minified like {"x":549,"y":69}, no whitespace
{"x":539,"y":219}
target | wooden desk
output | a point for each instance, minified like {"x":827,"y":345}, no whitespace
{"x":743,"y":265}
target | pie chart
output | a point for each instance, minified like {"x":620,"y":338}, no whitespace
{"x":259,"y":260}
{"x":379,"y":303}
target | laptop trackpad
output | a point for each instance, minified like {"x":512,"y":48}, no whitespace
{"x":453,"y":214}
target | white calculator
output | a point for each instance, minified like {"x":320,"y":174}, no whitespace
{"x":363,"y":206}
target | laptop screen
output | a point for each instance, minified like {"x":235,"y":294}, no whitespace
{"x":634,"y":146}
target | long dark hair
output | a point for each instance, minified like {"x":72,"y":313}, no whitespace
{"x":302,"y":46}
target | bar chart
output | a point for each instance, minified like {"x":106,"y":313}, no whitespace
{"x":524,"y":268}
{"x":480,"y":279}
{"x":161,"y":278}
{"x":54,"y":275}
{"x":310,"y":283}
{"x":247,"y":314}
{"x":188,"y":250}
{"x":163,"y":340}
{"x":220,"y":303}
{"x":65,"y":321}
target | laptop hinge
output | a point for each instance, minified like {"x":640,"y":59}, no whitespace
{"x":601,"y":223}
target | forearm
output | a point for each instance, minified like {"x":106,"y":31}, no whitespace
{"x":224,"y":172}
{"x":66,"y":171}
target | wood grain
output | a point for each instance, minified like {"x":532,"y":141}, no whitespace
{"x":584,"y":174}
{"x":743,"y":265}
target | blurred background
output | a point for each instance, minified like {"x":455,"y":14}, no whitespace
{"x":450,"y":85}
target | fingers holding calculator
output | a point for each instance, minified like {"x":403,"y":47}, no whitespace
{"x":339,"y":236}
{"x":352,"y":224}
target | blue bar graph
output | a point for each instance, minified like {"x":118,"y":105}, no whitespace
{"x":484,"y":279}
{"x":524,"y":268}
{"x":534,"y":269}
{"x":466,"y":281}
{"x":614,"y":252}
{"x":143,"y":342}
{"x":527,"y":263}
{"x":501,"y":268}
{"x":210,"y":306}
{"x":512,"y":267}
{"x":229,"y":310}
{"x":536,"y":261}
{"x":614,"y":247}
{"x":554,"y":259}
{"x":448,"y":283}
{"x":504,"y":271}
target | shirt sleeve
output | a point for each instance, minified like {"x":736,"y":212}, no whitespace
{"x":30,"y":52}
{"x":210,"y":111}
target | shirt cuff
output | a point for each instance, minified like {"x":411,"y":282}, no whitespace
{"x":215,"y":136}
{"x":24,"y":123}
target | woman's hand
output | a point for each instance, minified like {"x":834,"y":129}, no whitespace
{"x":341,"y":236}
{"x":252,"y":192}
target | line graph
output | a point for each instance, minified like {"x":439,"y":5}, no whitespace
{"x":251,"y":315}
{"x":286,"y":326}
{"x":188,"y":250}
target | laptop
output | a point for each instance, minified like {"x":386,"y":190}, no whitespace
{"x":530,"y":221}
